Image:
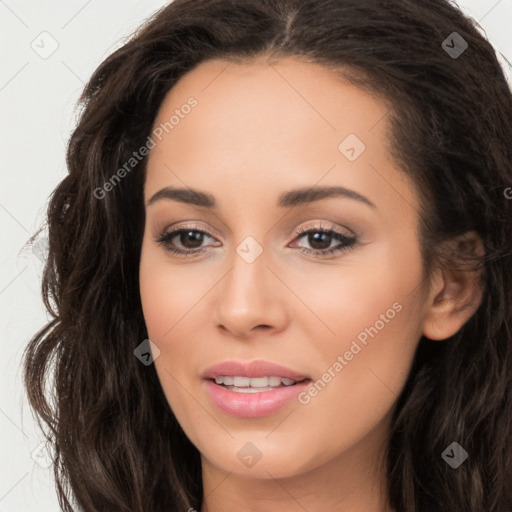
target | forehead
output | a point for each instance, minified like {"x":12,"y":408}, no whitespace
{"x":269,"y":95}
{"x":270,"y":125}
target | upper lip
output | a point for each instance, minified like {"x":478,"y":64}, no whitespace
{"x":251,"y":369}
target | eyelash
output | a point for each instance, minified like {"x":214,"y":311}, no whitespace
{"x":347,"y":243}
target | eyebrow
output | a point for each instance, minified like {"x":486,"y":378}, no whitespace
{"x":288,"y":199}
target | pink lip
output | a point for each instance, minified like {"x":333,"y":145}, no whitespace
{"x":252,"y":405}
{"x":252,"y":369}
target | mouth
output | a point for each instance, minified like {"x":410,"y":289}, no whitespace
{"x":242,"y":384}
{"x":251,"y":374}
{"x":253,"y":402}
{"x":254,"y":389}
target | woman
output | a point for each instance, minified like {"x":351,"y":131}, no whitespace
{"x":281,"y":265}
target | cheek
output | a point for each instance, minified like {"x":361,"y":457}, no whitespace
{"x":167,"y":291}
{"x":166,"y":296}
{"x":374,"y":317}
{"x":155,"y":300}
{"x":374,"y":295}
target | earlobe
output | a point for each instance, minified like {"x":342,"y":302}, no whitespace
{"x":456,"y":293}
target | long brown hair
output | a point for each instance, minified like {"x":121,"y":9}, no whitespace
{"x":117,"y":444}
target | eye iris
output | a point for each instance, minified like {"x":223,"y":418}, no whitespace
{"x":195,"y":236}
{"x":315,"y":238}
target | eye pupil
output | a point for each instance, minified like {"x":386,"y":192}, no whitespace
{"x":315,"y":238}
{"x":195,"y":236}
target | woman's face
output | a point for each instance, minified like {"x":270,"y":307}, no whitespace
{"x":343,"y":309}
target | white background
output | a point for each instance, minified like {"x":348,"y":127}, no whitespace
{"x":37,"y":98}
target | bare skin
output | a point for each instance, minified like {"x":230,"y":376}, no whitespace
{"x":260,"y":130}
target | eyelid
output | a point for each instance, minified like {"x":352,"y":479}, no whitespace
{"x":349,"y":233}
{"x":331,"y":227}
{"x":157,"y":231}
{"x":345,"y":241}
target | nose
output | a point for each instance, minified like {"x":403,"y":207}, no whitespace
{"x":251,"y":299}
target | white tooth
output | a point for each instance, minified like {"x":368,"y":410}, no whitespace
{"x":259,"y":382}
{"x":274,"y":381}
{"x":241,"y":381}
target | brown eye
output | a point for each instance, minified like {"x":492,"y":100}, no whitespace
{"x":190,"y":240}
{"x":186,"y":237}
{"x":320,"y":240}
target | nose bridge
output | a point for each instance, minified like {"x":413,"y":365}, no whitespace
{"x":249,"y":296}
{"x":247,"y":283}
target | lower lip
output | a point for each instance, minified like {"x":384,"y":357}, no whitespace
{"x":253,"y":405}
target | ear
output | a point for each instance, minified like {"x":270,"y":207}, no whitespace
{"x":456,"y":292}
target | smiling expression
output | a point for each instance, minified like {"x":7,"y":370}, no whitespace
{"x":302,"y":234}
